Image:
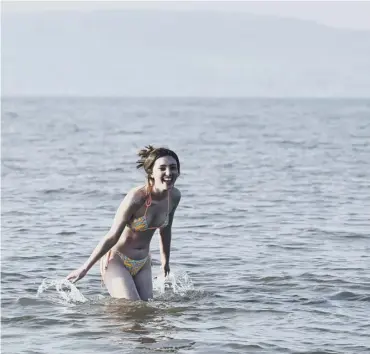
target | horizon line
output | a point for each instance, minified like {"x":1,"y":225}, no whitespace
{"x":38,"y":96}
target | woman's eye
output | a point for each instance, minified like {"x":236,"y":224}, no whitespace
{"x":173,"y":168}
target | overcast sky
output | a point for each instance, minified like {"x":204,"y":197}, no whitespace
{"x":187,"y":50}
{"x":345,"y":14}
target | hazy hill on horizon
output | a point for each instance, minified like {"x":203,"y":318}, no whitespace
{"x":169,"y":53}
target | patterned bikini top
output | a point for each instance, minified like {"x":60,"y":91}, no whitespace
{"x":141,"y":223}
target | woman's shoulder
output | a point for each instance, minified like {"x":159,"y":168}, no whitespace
{"x":176,"y":194}
{"x":137,"y":194}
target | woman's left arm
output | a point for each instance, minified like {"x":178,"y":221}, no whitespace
{"x":166,"y":234}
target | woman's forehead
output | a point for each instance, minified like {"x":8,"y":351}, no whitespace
{"x":165,"y":161}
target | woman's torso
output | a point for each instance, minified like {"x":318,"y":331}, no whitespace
{"x":136,"y":237}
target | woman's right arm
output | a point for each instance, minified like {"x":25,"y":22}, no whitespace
{"x":130,"y":204}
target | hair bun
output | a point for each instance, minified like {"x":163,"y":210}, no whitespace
{"x":144,"y":154}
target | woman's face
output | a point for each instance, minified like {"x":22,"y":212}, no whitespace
{"x":165,"y":172}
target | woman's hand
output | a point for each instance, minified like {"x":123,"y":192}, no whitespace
{"x":166,"y":269}
{"x":77,"y":274}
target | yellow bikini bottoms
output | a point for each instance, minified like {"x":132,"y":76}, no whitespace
{"x":132,"y":265}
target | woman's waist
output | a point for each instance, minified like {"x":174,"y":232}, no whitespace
{"x":134,"y":252}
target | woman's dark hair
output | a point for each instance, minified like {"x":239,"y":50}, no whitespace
{"x":149,"y":155}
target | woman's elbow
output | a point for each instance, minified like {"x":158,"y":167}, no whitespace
{"x":115,"y":233}
{"x":112,"y":238}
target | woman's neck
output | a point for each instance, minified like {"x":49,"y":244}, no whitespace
{"x":157,"y":194}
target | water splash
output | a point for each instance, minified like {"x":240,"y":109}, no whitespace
{"x":65,"y":291}
{"x":176,"y":286}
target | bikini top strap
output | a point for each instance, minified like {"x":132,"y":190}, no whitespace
{"x":148,"y":201}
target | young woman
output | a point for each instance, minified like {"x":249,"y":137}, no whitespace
{"x":124,"y":256}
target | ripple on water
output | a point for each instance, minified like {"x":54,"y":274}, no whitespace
{"x":270,"y":251}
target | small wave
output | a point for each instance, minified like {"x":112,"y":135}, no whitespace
{"x":31,"y":301}
{"x":319,"y":278}
{"x":318,"y":351}
{"x":354,"y":235}
{"x":274,"y":278}
{"x":336,"y":233}
{"x":167,"y":345}
{"x":53,"y":191}
{"x":292,"y":246}
{"x":245,"y":347}
{"x":22,"y":229}
{"x":319,"y":301}
{"x":17,"y":319}
{"x":10,"y":114}
{"x":13,"y":275}
{"x":349,"y":296}
{"x":25,"y":258}
{"x":58,"y":191}
{"x":66,"y":233}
